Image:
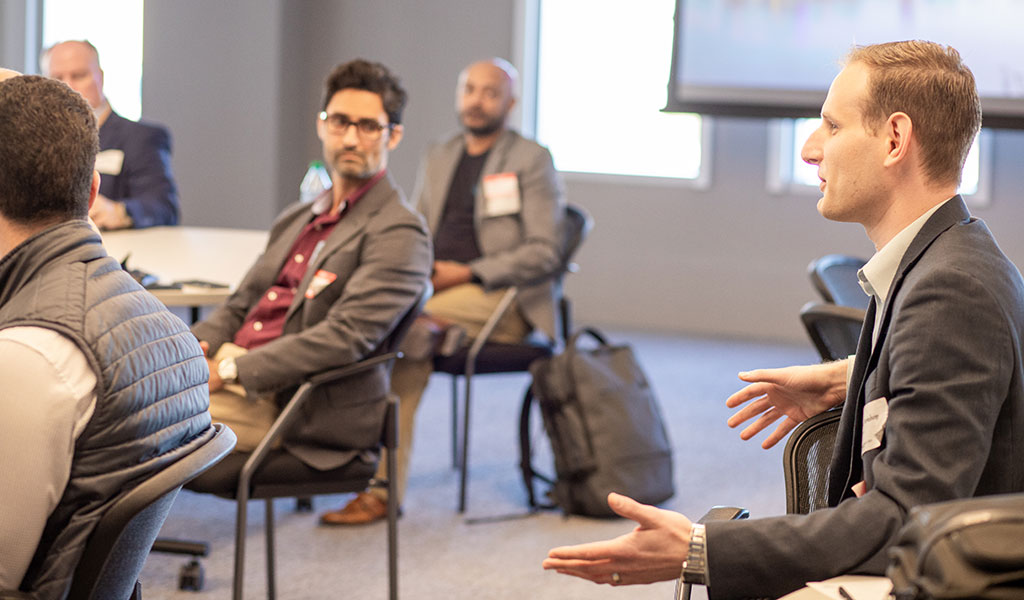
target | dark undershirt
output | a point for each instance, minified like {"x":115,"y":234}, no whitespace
{"x":456,"y":232}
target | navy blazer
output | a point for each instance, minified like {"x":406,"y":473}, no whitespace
{"x":144,"y":183}
{"x":948,"y":360}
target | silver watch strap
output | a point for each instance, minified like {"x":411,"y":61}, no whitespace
{"x":694,"y":570}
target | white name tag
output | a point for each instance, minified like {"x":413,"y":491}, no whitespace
{"x":876,"y":413}
{"x":109,"y":162}
{"x":501,"y":195}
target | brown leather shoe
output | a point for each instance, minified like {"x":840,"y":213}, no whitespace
{"x":364,"y":508}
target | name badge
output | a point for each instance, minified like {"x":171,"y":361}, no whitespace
{"x":501,"y":195}
{"x":109,"y":162}
{"x":876,"y":413}
{"x":321,"y":279}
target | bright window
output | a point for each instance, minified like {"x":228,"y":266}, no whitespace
{"x":799,"y":173}
{"x":601,"y":83}
{"x":115,"y":28}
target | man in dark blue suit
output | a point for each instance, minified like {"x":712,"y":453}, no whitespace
{"x":137,"y":187}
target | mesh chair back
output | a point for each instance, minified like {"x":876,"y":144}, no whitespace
{"x":833,"y":329}
{"x":835,"y":278}
{"x":117,"y":548}
{"x":806,"y":462}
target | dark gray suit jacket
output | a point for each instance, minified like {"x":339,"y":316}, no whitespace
{"x":381,"y":255}
{"x":949,"y":360}
{"x":521,"y":249}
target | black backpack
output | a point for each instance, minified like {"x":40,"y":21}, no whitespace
{"x":604,"y":427}
{"x":967,"y":548}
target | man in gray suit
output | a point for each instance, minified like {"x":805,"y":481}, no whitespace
{"x":494,"y":205}
{"x":933,"y":406}
{"x":336,"y":277}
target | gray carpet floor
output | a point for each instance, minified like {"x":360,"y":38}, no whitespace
{"x":444,"y":555}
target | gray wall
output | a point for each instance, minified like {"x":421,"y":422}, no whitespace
{"x":239,"y":84}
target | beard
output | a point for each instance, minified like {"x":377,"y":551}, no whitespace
{"x":489,"y":125}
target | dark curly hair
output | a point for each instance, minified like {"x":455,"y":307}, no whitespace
{"x":373,"y":77}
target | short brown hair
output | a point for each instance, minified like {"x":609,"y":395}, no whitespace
{"x":48,"y":145}
{"x":932,"y":85}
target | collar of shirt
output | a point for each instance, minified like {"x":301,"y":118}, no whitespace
{"x":324,"y":201}
{"x":876,"y":276}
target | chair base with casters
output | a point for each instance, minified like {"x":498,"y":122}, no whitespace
{"x":192,"y":575}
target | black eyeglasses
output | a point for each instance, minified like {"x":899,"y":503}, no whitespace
{"x":338,"y":124}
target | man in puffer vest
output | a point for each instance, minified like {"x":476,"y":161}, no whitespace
{"x":101,"y":386}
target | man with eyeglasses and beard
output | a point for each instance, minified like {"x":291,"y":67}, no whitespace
{"x":494,"y":205}
{"x":336,"y":277}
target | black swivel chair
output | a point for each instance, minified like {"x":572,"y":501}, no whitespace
{"x":117,"y":548}
{"x":806,"y":461}
{"x":483,"y":357}
{"x":268,"y":473}
{"x":833,"y":329}
{"x":834,"y":276}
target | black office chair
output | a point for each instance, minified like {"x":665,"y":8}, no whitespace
{"x":834,"y":276}
{"x":483,"y":357}
{"x":806,"y":461}
{"x":833,"y":329}
{"x":117,"y":548}
{"x":267,"y":473}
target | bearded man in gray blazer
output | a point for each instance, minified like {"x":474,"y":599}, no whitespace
{"x":336,"y":277}
{"x":933,"y":407}
{"x":494,"y":205}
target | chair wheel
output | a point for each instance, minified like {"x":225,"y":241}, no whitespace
{"x":191,"y":576}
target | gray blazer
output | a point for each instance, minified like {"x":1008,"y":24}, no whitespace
{"x":522,"y":249}
{"x":381,"y":255}
{"x":949,"y":360}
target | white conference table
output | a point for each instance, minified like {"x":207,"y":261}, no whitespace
{"x":174,"y":254}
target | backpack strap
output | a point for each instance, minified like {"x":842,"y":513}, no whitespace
{"x":526,"y":454}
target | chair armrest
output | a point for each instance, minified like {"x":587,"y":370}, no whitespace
{"x":716,"y":513}
{"x":291,"y":411}
{"x":724,"y":513}
{"x":488,"y":329}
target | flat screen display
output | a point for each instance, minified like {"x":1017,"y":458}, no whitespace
{"x":776,"y":58}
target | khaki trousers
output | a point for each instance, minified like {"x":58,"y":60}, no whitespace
{"x":249,"y":417}
{"x":468,"y":306}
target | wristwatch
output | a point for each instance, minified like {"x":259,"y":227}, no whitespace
{"x":695,"y":570}
{"x":228,"y":370}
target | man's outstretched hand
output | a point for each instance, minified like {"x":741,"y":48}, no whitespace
{"x":792,"y":394}
{"x":653,"y":551}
